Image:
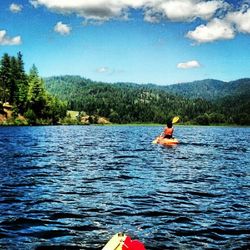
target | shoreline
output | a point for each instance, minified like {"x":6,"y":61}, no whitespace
{"x":126,"y":124}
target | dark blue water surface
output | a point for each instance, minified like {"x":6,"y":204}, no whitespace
{"x":73,"y":187}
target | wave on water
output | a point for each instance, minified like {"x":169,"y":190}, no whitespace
{"x":60,"y":189}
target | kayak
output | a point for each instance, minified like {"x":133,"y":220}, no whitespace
{"x":122,"y":241}
{"x":165,"y":141}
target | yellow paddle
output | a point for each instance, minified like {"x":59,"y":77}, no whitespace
{"x":174,"y":120}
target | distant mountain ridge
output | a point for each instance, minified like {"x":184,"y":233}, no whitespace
{"x":210,"y":89}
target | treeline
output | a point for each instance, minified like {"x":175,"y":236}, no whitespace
{"x":128,"y":103}
{"x":26,"y":94}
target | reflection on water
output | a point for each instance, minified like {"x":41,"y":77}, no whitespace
{"x":73,"y":187}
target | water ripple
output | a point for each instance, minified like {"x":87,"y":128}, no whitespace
{"x":73,"y":187}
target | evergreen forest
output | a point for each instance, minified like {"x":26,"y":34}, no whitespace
{"x":26,"y":95}
{"x":205,"y":102}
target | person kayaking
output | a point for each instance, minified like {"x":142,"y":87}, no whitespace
{"x":168,"y":131}
{"x":166,"y":137}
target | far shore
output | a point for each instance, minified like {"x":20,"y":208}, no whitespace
{"x":127,"y":124}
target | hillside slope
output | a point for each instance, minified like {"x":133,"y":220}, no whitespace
{"x":123,"y":102}
{"x":208,"y":89}
{"x":215,"y":102}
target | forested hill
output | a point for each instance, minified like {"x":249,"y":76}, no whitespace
{"x":208,"y":89}
{"x":121,"y":103}
{"x":129,"y":102}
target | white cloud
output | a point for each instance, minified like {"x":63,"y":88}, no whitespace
{"x":62,"y":28}
{"x":5,"y":40}
{"x":216,"y":29}
{"x":188,"y":10}
{"x":241,"y":20}
{"x":15,"y":8}
{"x":188,"y":65}
{"x":109,"y":71}
{"x":103,"y":10}
{"x":100,"y":10}
{"x":103,"y":70}
{"x":223,"y":28}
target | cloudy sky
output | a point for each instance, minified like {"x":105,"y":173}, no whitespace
{"x":142,"y":41}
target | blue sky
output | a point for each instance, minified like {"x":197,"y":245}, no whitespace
{"x":142,"y":41}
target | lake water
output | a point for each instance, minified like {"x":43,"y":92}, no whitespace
{"x":73,"y":187}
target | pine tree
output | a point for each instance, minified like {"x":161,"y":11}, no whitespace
{"x":13,"y":80}
{"x":36,"y":96}
{"x":22,"y":84}
{"x":5,"y":78}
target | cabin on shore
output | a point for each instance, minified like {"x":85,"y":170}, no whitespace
{"x":6,"y":109}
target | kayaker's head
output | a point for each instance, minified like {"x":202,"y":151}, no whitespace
{"x":169,"y":124}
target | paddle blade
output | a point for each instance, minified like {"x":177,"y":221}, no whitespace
{"x":175,"y":119}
